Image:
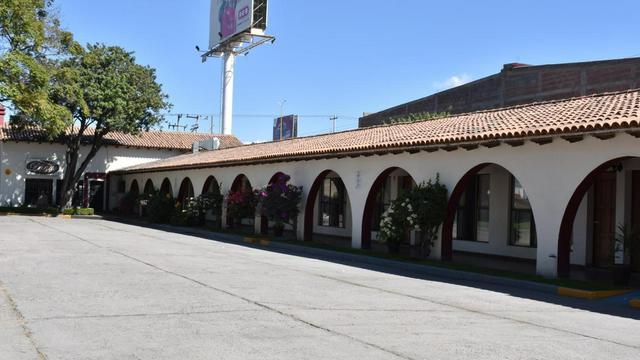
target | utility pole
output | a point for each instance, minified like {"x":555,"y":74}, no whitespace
{"x":333,"y":121}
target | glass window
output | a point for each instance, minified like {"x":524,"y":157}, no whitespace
{"x":472,"y":217}
{"x":522,"y":226}
{"x":482,"y":213}
{"x":383,"y":200}
{"x":38,"y":192}
{"x":332,"y":203}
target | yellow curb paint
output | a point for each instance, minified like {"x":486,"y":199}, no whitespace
{"x":250,"y":240}
{"x":635,"y":303}
{"x":65,"y":216}
{"x":265,"y":242}
{"x":591,"y":295}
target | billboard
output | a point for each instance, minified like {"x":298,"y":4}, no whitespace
{"x":285,"y":127}
{"x":231,"y":17}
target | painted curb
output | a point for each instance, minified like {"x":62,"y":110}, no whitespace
{"x":635,"y":303}
{"x":590,"y":295}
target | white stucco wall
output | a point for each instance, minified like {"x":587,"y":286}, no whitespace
{"x":14,"y":157}
{"x":549,"y":173}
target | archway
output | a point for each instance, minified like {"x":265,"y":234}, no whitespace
{"x":211,"y":185}
{"x":329,"y":197}
{"x":490,"y":218}
{"x":212,"y":191}
{"x":148,"y":187}
{"x":165,"y":188}
{"x":604,"y":206}
{"x":186,"y":191}
{"x":385,"y":188}
{"x":134,"y":189}
{"x":264,"y":221}
{"x":240,"y":185}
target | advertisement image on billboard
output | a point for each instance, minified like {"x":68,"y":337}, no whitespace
{"x":228,"y":18}
{"x":285,"y":127}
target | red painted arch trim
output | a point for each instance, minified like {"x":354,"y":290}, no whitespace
{"x":566,"y":227}
{"x":365,"y":236}
{"x":452,"y":207}
{"x":310,"y":205}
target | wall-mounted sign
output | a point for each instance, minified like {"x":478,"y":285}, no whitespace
{"x":42,"y":167}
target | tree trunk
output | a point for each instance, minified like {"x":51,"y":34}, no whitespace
{"x":73,"y":173}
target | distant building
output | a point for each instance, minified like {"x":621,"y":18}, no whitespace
{"x":519,"y":84}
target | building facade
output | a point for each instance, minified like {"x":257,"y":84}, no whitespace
{"x":32,"y":166}
{"x":547,"y":183}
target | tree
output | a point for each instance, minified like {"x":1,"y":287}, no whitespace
{"x":104,"y":90}
{"x":30,"y":42}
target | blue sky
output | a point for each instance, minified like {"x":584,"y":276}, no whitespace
{"x":349,"y":57}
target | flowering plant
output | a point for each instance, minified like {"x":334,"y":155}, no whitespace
{"x":241,"y":204}
{"x":280,"y":201}
{"x":421,"y":208}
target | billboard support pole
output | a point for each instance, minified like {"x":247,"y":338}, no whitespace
{"x":227,"y":92}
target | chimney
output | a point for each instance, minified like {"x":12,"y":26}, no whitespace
{"x":195,"y":147}
{"x":2,"y":112}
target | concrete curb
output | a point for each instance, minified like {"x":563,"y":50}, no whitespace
{"x":590,"y":295}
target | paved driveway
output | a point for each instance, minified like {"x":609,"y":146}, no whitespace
{"x":81,"y":289}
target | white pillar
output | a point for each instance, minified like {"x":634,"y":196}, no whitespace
{"x":227,"y":92}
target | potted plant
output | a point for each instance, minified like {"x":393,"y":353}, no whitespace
{"x":421,"y":209}
{"x":240,"y":205}
{"x":624,"y":239}
{"x":280,"y":202}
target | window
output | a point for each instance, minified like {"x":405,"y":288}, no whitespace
{"x":38,"y":192}
{"x":383,"y":200}
{"x":472,"y":217}
{"x":522,"y":226}
{"x":332,"y":203}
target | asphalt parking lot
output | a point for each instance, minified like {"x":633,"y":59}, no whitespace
{"x":93,"y":289}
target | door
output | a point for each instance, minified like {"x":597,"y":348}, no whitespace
{"x":635,"y":221}
{"x":604,"y":218}
{"x":96,"y":195}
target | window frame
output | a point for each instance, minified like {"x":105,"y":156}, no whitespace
{"x":533,"y":235}
{"x":336,"y":206}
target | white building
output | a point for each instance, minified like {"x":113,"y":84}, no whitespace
{"x":30,"y":164}
{"x":547,"y":183}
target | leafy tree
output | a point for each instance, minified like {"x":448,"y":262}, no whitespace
{"x":105,"y":91}
{"x":30,"y":41}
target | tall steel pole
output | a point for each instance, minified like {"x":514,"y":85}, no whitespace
{"x":227,"y":92}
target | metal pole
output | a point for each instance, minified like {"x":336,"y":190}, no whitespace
{"x":227,"y":92}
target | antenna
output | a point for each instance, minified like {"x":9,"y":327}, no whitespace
{"x":333,"y":121}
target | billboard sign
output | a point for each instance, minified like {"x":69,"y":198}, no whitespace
{"x":229,"y":18}
{"x":285,"y":127}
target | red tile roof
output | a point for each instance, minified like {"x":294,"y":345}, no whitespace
{"x":146,"y":139}
{"x":581,"y":115}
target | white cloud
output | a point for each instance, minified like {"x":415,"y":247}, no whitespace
{"x":453,"y":81}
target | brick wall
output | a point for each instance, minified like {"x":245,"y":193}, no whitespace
{"x":522,"y":84}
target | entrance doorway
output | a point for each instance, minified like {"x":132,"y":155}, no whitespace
{"x":96,"y":195}
{"x":604,"y":218}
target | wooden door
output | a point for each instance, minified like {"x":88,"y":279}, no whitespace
{"x":604,"y":219}
{"x":635,"y":221}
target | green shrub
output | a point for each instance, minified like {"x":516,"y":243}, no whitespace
{"x":28,"y":210}
{"x":69,"y":211}
{"x":85,"y":211}
{"x":161,"y":208}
